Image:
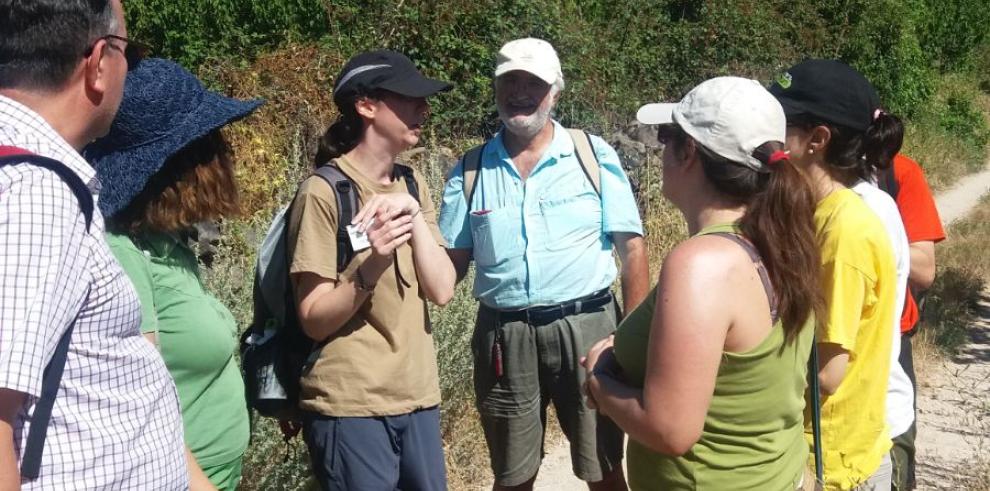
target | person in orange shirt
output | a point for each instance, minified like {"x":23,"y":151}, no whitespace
{"x":905,"y":182}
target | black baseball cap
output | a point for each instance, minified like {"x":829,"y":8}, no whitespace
{"x":384,"y":69}
{"x":828,"y":89}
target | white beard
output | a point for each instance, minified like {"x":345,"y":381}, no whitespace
{"x":525,"y":127}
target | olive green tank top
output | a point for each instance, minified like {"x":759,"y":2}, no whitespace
{"x":753,"y":437}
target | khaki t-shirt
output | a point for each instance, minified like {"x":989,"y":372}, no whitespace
{"x":382,"y":361}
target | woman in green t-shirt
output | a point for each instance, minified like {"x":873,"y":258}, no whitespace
{"x":164,"y":167}
{"x":707,"y":376}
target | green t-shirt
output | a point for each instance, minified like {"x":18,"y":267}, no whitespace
{"x":753,"y":437}
{"x":197,"y":336}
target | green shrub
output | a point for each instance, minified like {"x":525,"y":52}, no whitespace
{"x":616,"y":53}
{"x":951,"y":30}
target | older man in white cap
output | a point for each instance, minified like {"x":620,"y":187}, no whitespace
{"x":540,"y":208}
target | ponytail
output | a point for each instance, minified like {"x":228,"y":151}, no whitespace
{"x":853,"y":155}
{"x":341,"y":137}
{"x":780,"y":221}
{"x":346,"y":132}
{"x":883,"y":140}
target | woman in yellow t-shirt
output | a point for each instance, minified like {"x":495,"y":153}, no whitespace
{"x":836,"y":131}
{"x":707,"y":375}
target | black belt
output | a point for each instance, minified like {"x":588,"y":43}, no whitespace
{"x":545,"y":314}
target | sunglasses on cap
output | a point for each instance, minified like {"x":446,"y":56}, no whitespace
{"x":134,"y":51}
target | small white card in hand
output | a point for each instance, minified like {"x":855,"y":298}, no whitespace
{"x":359,"y":239}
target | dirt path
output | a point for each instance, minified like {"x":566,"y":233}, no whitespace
{"x":953,"y":406}
{"x":954,"y":396}
{"x":954,"y":413}
{"x":954,"y":202}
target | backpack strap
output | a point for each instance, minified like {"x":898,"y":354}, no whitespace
{"x":52,"y":377}
{"x":586,"y":156}
{"x":14,"y":155}
{"x":41,"y":417}
{"x":582,"y":148}
{"x":347,"y":203}
{"x":471,"y":161}
{"x":407,"y":175}
{"x":347,"y":206}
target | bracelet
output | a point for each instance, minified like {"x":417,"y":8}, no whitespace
{"x":360,"y":284}
{"x":414,"y":214}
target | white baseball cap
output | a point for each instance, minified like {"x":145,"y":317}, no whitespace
{"x":730,"y":116}
{"x":530,"y":55}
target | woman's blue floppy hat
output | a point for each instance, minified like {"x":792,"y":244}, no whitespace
{"x":164,"y":109}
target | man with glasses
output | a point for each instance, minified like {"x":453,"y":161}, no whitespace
{"x":85,"y":401}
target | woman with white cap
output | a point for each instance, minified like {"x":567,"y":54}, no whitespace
{"x":371,"y":398}
{"x":707,"y":376}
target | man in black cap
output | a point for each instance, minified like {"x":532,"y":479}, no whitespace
{"x":85,"y":401}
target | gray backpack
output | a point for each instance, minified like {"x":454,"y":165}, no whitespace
{"x":274,"y":350}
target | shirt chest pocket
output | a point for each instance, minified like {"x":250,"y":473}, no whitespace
{"x":571,"y":221}
{"x":497,"y":235}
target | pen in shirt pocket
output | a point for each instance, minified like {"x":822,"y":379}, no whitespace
{"x":480,"y":213}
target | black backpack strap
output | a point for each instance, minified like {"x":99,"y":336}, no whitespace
{"x":347,"y":206}
{"x":347,"y":203}
{"x":33,"y":449}
{"x":52,"y":378}
{"x":407,"y":175}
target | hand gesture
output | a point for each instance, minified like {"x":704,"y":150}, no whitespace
{"x":387,"y":235}
{"x":383,"y":208}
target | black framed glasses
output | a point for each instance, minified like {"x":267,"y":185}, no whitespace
{"x":134,"y":51}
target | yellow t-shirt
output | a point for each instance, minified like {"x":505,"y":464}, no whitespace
{"x":382,"y":361}
{"x":859,"y":280}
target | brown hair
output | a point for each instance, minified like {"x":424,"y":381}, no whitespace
{"x":780,"y":221}
{"x":195,"y":184}
{"x":346,"y":132}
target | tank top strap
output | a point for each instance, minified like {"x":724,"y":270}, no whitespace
{"x":754,"y":255}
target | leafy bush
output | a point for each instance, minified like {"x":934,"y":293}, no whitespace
{"x":950,"y":30}
{"x":616,"y":53}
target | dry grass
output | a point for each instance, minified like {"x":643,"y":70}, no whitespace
{"x":963,"y":272}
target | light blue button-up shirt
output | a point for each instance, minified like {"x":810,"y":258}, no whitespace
{"x":545,"y":240}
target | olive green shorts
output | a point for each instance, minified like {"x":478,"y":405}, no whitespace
{"x":540,"y":364}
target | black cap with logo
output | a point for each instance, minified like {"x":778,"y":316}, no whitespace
{"x":828,"y":89}
{"x":384,"y":69}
